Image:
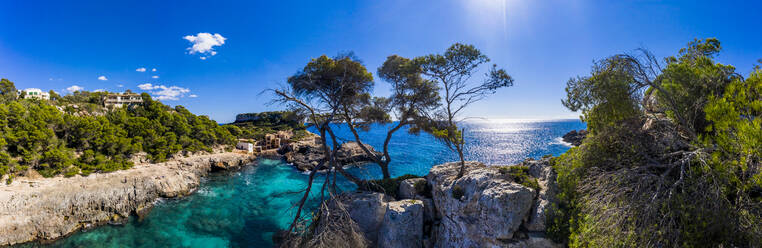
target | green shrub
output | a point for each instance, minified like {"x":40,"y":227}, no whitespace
{"x":388,"y":186}
{"x":520,"y":175}
{"x":420,"y":186}
{"x":457,"y":192}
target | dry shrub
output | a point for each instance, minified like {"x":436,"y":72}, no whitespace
{"x":331,"y":228}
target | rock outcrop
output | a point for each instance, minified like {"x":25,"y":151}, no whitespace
{"x":482,"y":208}
{"x":546,"y":178}
{"x":410,"y":188}
{"x":305,"y":155}
{"x":575,"y":137}
{"x":403,"y":225}
{"x":50,"y":208}
{"x":368,"y":210}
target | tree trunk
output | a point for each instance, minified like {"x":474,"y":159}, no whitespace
{"x":462,"y":161}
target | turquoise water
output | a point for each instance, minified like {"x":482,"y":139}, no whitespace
{"x":245,"y":208}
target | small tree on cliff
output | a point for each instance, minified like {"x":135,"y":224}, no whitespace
{"x":322,"y":89}
{"x":452,"y":71}
{"x":411,"y":96}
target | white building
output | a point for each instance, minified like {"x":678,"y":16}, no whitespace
{"x":122,"y":100}
{"x":36,"y":93}
{"x":246,"y":146}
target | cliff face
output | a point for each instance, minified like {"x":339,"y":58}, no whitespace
{"x":49,"y":208}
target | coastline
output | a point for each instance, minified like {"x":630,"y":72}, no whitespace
{"x":46,"y":209}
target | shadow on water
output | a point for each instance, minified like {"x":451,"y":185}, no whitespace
{"x":245,"y":208}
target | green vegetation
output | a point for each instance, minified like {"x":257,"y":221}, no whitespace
{"x":520,"y":175}
{"x":85,"y":137}
{"x":457,"y":192}
{"x":256,"y":125}
{"x":680,"y":168}
{"x":389,"y":186}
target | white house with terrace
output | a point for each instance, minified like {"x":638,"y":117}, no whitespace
{"x":35,"y":93}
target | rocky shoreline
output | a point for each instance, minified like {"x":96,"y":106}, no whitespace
{"x":307,"y":153}
{"x":45,"y":209}
{"x":575,"y":137}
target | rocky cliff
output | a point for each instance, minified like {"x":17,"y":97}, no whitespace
{"x":50,"y":208}
{"x":486,"y":207}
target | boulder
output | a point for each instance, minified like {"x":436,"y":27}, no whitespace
{"x":402,"y":225}
{"x":482,"y":208}
{"x":368,"y":210}
{"x":410,"y":188}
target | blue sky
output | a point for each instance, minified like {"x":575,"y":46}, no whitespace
{"x":60,"y":44}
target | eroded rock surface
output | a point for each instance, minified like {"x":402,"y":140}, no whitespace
{"x":410,"y":188}
{"x":480,"y":209}
{"x":546,"y":178}
{"x":402,"y":225}
{"x":49,"y":208}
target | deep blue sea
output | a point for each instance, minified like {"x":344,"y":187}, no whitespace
{"x":245,"y":208}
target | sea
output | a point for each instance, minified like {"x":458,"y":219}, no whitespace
{"x":245,"y":208}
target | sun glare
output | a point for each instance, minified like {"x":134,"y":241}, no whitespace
{"x":493,"y":14}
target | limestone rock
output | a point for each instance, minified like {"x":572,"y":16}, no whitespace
{"x":480,"y":209}
{"x":351,"y":153}
{"x":49,"y":208}
{"x":408,"y":189}
{"x":368,"y":209}
{"x":305,"y":155}
{"x":429,"y":211}
{"x":402,"y":225}
{"x":546,"y":177}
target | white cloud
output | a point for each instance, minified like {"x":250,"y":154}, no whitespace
{"x":154,"y":69}
{"x":154,"y":76}
{"x":99,"y":90}
{"x":204,"y":43}
{"x":141,"y":69}
{"x":193,"y":96}
{"x":102,"y":78}
{"x":50,"y":79}
{"x":145,"y":86}
{"x":161,"y":92}
{"x":120,"y":85}
{"x":74,"y":88}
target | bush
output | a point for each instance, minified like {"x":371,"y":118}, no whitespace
{"x":520,"y":175}
{"x":388,"y":186}
{"x":457,"y":192}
